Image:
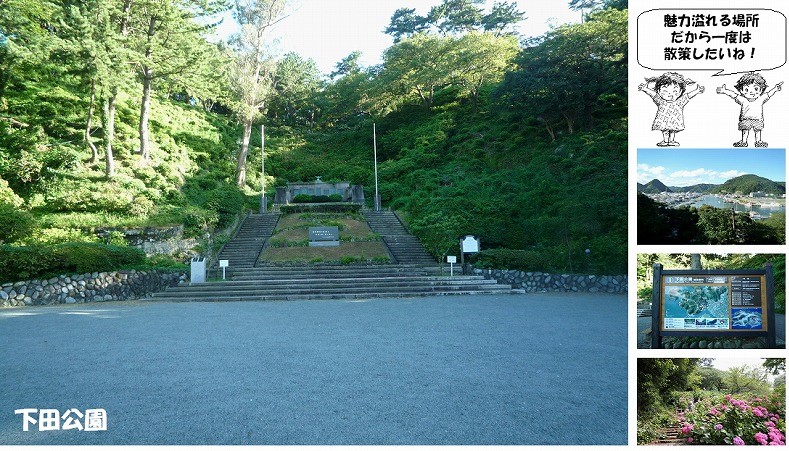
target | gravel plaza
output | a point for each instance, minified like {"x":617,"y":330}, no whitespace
{"x":484,"y":370}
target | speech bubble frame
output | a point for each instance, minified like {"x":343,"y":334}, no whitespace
{"x":720,"y":72}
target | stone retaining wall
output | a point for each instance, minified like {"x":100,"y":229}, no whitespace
{"x":90,"y":287}
{"x":541,"y":282}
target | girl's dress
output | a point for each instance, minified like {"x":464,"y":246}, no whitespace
{"x":669,"y":115}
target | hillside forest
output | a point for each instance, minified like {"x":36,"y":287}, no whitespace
{"x":118,"y":114}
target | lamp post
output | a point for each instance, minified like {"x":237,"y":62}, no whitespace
{"x":263,"y":205}
{"x":377,"y":201}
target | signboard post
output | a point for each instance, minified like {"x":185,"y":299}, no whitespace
{"x":714,"y":303}
{"x":452,"y":259}
{"x":468,"y":245}
{"x":224,"y":264}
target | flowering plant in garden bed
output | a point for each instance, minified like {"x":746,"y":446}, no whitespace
{"x":726,"y":420}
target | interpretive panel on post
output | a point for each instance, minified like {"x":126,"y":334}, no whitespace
{"x":715,"y":302}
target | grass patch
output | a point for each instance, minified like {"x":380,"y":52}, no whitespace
{"x":290,"y":242}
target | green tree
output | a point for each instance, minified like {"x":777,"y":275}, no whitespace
{"x":479,"y":59}
{"x":711,"y":378}
{"x":297,"y":82}
{"x":406,"y":23}
{"x":418,"y":65}
{"x":745,"y":379}
{"x":168,"y":42}
{"x":502,"y":18}
{"x":252,"y":75}
{"x":573,"y":77}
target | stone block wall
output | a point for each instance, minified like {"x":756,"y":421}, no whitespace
{"x":542,"y":282}
{"x":90,"y":287}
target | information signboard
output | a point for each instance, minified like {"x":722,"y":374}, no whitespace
{"x":713,"y":302}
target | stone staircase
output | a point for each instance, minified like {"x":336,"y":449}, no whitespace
{"x":244,"y":248}
{"x":644,"y":310}
{"x":284,"y":283}
{"x":404,"y":247}
{"x":670,"y":436}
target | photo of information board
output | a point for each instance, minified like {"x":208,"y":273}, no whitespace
{"x":715,"y":302}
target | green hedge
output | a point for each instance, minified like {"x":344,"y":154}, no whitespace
{"x":319,"y":199}
{"x":31,"y":262}
{"x":320,"y":208}
{"x":531,"y":260}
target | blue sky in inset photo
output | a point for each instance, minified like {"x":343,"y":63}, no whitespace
{"x":686,"y":167}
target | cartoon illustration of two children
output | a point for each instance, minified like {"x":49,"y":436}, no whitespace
{"x":670,"y":94}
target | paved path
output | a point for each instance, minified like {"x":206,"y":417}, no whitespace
{"x":527,"y":369}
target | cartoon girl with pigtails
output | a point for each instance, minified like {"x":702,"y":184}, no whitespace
{"x":670,"y":96}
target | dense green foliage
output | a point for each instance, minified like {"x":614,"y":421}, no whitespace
{"x":749,"y":183}
{"x":524,"y":146}
{"x":660,"y":224}
{"x":30,"y":262}
{"x":712,"y":261}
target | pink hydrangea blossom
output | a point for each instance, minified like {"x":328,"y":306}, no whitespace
{"x":761,"y":438}
{"x":690,"y":439}
{"x":687,"y":428}
{"x":738,"y":441}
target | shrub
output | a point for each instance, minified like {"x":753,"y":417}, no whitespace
{"x":725,"y":420}
{"x":197,"y":221}
{"x":523,"y":260}
{"x":7,"y":195}
{"x":28,"y":262}
{"x":322,"y":208}
{"x":318,"y":199}
{"x":227,"y":202}
{"x":16,"y":224}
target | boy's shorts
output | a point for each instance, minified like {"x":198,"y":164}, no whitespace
{"x":751,"y":123}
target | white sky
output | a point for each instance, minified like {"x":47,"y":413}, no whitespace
{"x":329,"y":30}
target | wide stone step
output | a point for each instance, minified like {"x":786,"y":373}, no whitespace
{"x":252,"y":274}
{"x":328,"y":296}
{"x":325,"y":291}
{"x":240,"y":285}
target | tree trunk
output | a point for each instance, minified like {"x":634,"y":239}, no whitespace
{"x":109,"y":133}
{"x":147,"y":79}
{"x":569,"y":119}
{"x":145,"y":150}
{"x":241,"y":166}
{"x":88,"y":123}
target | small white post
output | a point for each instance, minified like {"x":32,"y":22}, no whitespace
{"x":223,"y":264}
{"x":452,"y":259}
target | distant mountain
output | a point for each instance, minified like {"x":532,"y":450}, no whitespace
{"x":653,"y":187}
{"x":751,"y":183}
{"x":700,"y":188}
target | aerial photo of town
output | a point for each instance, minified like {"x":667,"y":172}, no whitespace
{"x":711,"y":196}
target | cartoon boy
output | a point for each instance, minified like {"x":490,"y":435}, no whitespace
{"x":749,"y":95}
{"x":670,"y":97}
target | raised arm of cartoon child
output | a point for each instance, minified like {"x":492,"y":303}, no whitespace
{"x":670,"y":95}
{"x":751,"y":94}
